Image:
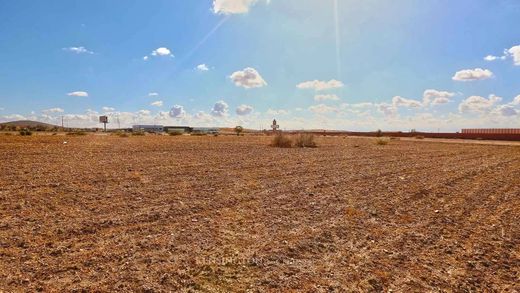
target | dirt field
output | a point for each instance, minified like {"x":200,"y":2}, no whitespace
{"x":220,"y":214}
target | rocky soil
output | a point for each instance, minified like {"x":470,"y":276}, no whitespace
{"x":221,"y":214}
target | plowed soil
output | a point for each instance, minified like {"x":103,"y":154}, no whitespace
{"x":221,"y":214}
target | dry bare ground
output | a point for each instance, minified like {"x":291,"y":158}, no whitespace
{"x":220,"y":214}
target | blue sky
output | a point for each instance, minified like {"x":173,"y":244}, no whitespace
{"x":344,"y":64}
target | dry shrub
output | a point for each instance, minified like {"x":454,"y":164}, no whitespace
{"x":305,"y":140}
{"x":281,"y":141}
{"x":138,"y":133}
{"x":25,"y":132}
{"x":175,"y":133}
{"x":381,"y":141}
{"x":419,"y":137}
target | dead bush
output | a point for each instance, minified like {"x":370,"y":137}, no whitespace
{"x":305,"y":140}
{"x":281,"y":141}
{"x":25,"y":132}
{"x":381,"y":141}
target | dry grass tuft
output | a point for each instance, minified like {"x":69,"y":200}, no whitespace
{"x":25,"y":132}
{"x":381,"y":141}
{"x":305,"y":140}
{"x":281,"y":141}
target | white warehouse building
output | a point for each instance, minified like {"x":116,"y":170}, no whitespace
{"x":148,"y":128}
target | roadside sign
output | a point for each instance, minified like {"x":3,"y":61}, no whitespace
{"x":104,"y":120}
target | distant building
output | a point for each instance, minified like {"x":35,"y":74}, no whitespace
{"x":205,"y":130}
{"x":173,"y":129}
{"x":148,"y":128}
{"x":180,"y":129}
{"x":492,"y":131}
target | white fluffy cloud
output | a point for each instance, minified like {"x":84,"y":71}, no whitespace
{"x":319,"y":85}
{"x":159,"y":52}
{"x":435,"y":97}
{"x":13,"y":117}
{"x":248,"y":78}
{"x":359,"y":105}
{"x":493,"y":58}
{"x":505,"y":110}
{"x":203,"y":116}
{"x":78,"y":94}
{"x":516,"y":100}
{"x":399,"y":101}
{"x":153,"y":94}
{"x":478,"y":104}
{"x":387,"y":109}
{"x":244,"y":110}
{"x":53,"y":110}
{"x":177,"y":111}
{"x":515,"y":53}
{"x":322,"y":109}
{"x":202,"y":67}
{"x":320,"y":98}
{"x":472,"y":74}
{"x":220,"y":109}
{"x":162,"y":51}
{"x":233,"y":6}
{"x":275,"y":112}
{"x":157,"y":104}
{"x":78,"y":50}
{"x":108,"y":109}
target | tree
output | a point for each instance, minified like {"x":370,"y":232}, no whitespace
{"x":239,"y":130}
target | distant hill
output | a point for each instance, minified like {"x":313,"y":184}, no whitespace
{"x":28,"y":123}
